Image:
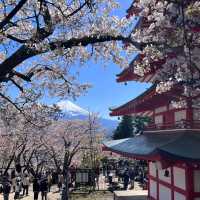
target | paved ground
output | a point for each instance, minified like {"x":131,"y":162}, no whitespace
{"x":51,"y":196}
{"x":103,"y":185}
{"x":54,"y":196}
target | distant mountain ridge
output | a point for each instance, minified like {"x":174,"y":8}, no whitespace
{"x":73,"y":111}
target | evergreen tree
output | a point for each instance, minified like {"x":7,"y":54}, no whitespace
{"x":139,"y":124}
{"x":124,"y":129}
{"x":130,"y":126}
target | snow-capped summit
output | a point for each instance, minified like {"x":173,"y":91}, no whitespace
{"x":72,"y":111}
{"x":70,"y":108}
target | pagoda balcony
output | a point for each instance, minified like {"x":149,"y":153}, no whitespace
{"x":183,"y":124}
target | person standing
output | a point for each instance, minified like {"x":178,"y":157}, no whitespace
{"x":49,"y":179}
{"x":110,"y":178}
{"x":132,"y":177}
{"x":36,"y":188}
{"x":26,"y":183}
{"x":13,"y":180}
{"x":97,"y":174}
{"x":44,"y":188}
{"x":60,"y":181}
{"x":126,"y":179}
{"x":18,"y":188}
{"x":6,"y":188}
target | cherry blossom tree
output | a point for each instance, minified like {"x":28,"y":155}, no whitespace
{"x":42,"y":39}
{"x":170,"y":32}
{"x":67,"y":142}
{"x":21,"y":134}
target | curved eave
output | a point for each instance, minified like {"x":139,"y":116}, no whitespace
{"x":132,"y":156}
{"x":175,"y":146}
{"x":131,"y":104}
{"x":147,"y":78}
{"x":129,"y":9}
{"x":129,"y":75}
{"x":147,"y":101}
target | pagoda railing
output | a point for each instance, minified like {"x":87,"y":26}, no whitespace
{"x":183,"y":124}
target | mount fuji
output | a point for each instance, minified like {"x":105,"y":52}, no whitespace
{"x":73,"y":111}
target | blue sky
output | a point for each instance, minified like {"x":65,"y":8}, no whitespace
{"x":106,"y":92}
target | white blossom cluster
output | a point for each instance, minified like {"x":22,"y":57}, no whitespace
{"x":151,"y":55}
{"x":179,"y":104}
{"x":50,"y":28}
{"x":170,"y":33}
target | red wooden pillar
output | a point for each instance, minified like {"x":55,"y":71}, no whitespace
{"x":172,"y":183}
{"x":189,"y":182}
{"x":189,"y":112}
{"x":148,"y":180}
{"x":157,"y":181}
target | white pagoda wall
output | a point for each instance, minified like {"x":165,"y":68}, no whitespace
{"x":153,"y":189}
{"x":164,"y":192}
{"x":179,"y":196}
{"x":164,"y":178}
{"x":197,"y":181}
{"x":183,"y":182}
{"x":179,"y":177}
{"x":172,"y":187}
{"x":179,"y":115}
{"x":168,"y":115}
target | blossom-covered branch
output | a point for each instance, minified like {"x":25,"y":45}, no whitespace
{"x":170,"y":31}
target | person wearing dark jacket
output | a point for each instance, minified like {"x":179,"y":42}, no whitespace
{"x":126,"y":179}
{"x":36,"y":188}
{"x":6,"y":189}
{"x":132,"y":177}
{"x":44,"y":188}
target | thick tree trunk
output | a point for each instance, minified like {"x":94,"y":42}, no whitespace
{"x":65,"y":189}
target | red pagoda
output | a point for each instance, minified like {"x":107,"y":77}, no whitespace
{"x":170,"y":143}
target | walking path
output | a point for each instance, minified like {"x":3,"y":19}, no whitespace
{"x":54,"y":195}
{"x":103,"y":184}
{"x":51,"y":195}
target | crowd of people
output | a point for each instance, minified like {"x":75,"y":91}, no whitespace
{"x":127,"y":174}
{"x":19,"y":184}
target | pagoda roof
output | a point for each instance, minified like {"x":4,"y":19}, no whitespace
{"x":146,"y":101}
{"x":129,"y":107}
{"x":175,"y":145}
{"x":128,"y":74}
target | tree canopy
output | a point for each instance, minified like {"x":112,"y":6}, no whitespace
{"x":42,"y":40}
{"x":124,"y":129}
{"x":130,"y":126}
{"x":172,"y":29}
{"x":139,"y":123}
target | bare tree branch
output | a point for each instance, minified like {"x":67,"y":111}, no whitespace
{"x":10,"y":101}
{"x":12,"y":14}
{"x":17,"y":85}
{"x":25,"y":52}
